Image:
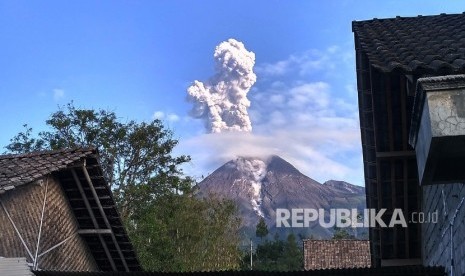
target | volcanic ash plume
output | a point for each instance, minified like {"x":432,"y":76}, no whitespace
{"x":222,"y":100}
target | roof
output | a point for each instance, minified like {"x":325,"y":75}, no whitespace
{"x":324,"y":254}
{"x":14,"y":267}
{"x":19,"y":169}
{"x":387,"y":271}
{"x":80,"y":175}
{"x":427,"y":43}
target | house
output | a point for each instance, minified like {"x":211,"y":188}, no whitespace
{"x":57,"y":211}
{"x":14,"y":267}
{"x":330,"y":254}
{"x":398,"y":60}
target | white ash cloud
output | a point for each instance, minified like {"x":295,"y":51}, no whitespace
{"x":309,"y":118}
{"x":222,"y":100}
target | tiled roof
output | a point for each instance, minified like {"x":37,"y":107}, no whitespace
{"x":324,"y":254}
{"x":101,"y":212}
{"x":424,"y":43}
{"x":19,"y":169}
{"x":386,"y":271}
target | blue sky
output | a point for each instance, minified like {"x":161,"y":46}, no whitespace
{"x":137,"y":58}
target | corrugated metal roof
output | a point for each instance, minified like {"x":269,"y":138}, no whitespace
{"x":14,"y":267}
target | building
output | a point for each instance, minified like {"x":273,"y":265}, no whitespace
{"x":398,"y":60}
{"x":57,"y":211}
{"x":331,"y":254}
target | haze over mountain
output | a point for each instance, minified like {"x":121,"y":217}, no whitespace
{"x":259,"y":186}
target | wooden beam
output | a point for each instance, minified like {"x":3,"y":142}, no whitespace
{"x":403,"y":111}
{"x":390,"y":126}
{"x":391,"y":154}
{"x":94,"y":231}
{"x":104,"y":216}
{"x":94,"y":220}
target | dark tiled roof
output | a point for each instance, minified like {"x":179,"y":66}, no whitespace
{"x":19,"y":169}
{"x":424,"y":43}
{"x":324,"y":254}
{"x":387,"y":271}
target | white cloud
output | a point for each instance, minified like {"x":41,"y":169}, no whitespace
{"x":302,"y":110}
{"x":160,"y":115}
{"x":170,"y":117}
{"x":299,"y":123}
{"x":307,"y":63}
{"x":58,"y":94}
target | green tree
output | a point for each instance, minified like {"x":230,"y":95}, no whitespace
{"x":276,"y":255}
{"x":261,"y":230}
{"x":135,"y":157}
{"x":342,"y":234}
{"x":292,"y":257}
{"x":170,"y":228}
{"x":183,"y":233}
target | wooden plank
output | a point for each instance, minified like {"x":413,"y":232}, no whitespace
{"x":94,"y":231}
{"x":391,"y":154}
{"x":403,"y":110}
{"x":94,"y":220}
{"x":390,"y":127}
{"x":104,"y":216}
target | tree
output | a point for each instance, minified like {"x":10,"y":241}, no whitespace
{"x":171,"y":229}
{"x":135,"y":157}
{"x":277,"y":255}
{"x":261,"y":230}
{"x":292,"y":257}
{"x":190,"y":235}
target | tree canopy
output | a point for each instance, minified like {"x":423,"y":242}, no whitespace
{"x":261,"y":230}
{"x":171,"y":229}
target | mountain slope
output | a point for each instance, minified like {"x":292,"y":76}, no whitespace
{"x":260,"y":186}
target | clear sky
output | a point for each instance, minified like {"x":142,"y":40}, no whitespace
{"x":137,"y":58}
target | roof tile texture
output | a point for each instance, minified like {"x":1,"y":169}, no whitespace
{"x":21,"y":169}
{"x":429,"y":43}
{"x":324,"y":254}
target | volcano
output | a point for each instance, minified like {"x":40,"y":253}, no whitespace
{"x":259,"y":186}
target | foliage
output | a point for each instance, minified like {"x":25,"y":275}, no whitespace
{"x":170,"y":228}
{"x":261,"y":228}
{"x":183,"y":233}
{"x":130,"y":153}
{"x":277,"y":255}
{"x":342,"y":234}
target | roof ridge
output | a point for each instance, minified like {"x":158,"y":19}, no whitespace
{"x":432,"y":44}
{"x":397,"y":17}
{"x":48,"y":152}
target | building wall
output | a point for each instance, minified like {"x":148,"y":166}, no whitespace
{"x":437,"y":244}
{"x":25,"y":204}
{"x":391,"y":180}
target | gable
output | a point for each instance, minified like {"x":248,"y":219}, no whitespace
{"x":79,"y":176}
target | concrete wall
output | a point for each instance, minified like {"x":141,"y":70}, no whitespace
{"x":24,"y":205}
{"x":436,"y":237}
